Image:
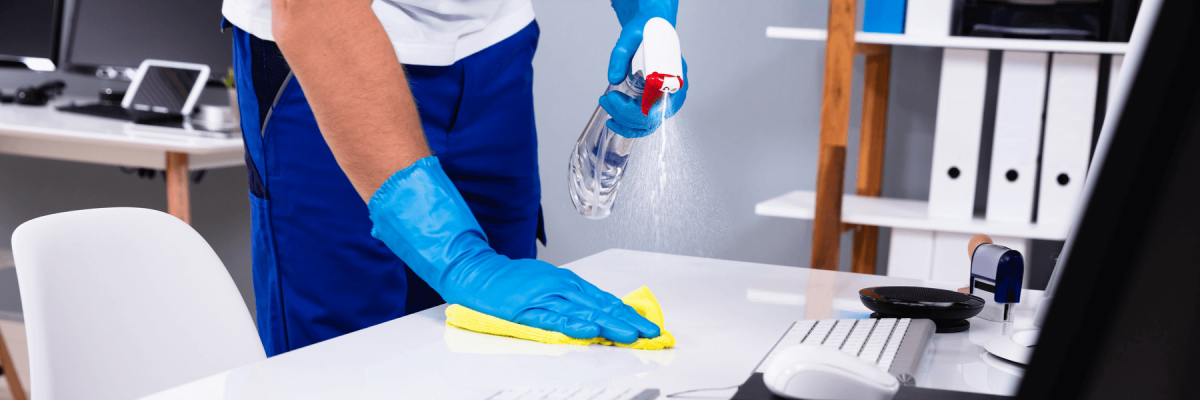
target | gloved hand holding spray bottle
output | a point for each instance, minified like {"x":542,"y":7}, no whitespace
{"x":655,"y":71}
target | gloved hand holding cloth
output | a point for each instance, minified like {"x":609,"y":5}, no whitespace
{"x":420,"y":215}
{"x":641,"y":300}
{"x":628,"y":120}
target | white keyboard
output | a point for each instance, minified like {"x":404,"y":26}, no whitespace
{"x":895,"y":345}
{"x":576,"y":394}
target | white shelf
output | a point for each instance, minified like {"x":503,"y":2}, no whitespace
{"x":959,"y":42}
{"x":898,"y":213}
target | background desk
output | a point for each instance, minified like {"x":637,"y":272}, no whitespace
{"x":45,"y":132}
{"x":725,"y":315}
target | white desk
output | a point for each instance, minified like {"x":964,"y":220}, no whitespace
{"x":45,"y":132}
{"x":725,"y":315}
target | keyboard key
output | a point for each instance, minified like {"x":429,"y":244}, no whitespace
{"x":820,"y":331}
{"x":798,"y":331}
{"x":858,"y":337}
{"x":870,"y":353}
{"x":878,"y":339}
{"x":587,"y":393}
{"x":840,"y":331}
{"x":802,"y":327}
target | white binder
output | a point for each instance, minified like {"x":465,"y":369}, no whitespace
{"x":1070,"y":118}
{"x":1019,"y":109}
{"x":928,"y":18}
{"x":956,"y":136}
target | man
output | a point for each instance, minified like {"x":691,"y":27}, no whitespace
{"x":359,"y":173}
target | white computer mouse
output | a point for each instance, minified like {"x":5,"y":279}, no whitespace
{"x":815,"y":372}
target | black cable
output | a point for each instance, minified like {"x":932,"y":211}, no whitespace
{"x":198,"y":176}
{"x":146,"y":173}
{"x":702,"y":390}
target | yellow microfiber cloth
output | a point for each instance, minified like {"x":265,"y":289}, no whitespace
{"x":641,"y":300}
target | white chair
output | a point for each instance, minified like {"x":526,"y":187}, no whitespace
{"x":124,"y":302}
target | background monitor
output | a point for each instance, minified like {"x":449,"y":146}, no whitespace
{"x":111,"y":38}
{"x":29,"y":33}
{"x":1124,"y":322}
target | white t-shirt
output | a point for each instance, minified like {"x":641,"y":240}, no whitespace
{"x":423,"y":32}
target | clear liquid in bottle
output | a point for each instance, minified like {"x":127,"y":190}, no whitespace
{"x":599,"y":159}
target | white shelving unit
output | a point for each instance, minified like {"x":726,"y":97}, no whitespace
{"x":901,"y":213}
{"x":922,"y":245}
{"x":958,"y":42}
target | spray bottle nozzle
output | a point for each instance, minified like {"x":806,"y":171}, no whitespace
{"x":657,"y":86}
{"x":659,"y":60}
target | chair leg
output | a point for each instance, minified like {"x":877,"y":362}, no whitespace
{"x":179,"y":201}
{"x":10,"y":371}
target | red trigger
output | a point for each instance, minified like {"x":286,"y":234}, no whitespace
{"x":653,"y":91}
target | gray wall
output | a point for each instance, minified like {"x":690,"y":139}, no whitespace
{"x":747,"y":133}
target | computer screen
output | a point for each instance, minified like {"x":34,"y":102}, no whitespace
{"x":1124,"y":322}
{"x":119,"y":34}
{"x":29,"y":33}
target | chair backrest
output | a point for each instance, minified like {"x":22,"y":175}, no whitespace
{"x":124,"y":302}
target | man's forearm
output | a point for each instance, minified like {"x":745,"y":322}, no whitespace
{"x":344,"y":60}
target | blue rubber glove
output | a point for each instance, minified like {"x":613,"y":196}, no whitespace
{"x":421,"y":217}
{"x":627,"y":118}
{"x":626,"y":112}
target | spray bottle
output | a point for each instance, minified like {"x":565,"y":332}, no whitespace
{"x":599,"y":159}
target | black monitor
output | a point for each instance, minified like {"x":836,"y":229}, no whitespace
{"x":110,"y":38}
{"x":30,"y":33}
{"x":1124,"y":321}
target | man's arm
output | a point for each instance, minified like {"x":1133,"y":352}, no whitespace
{"x":343,"y":58}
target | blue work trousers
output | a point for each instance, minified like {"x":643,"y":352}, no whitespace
{"x":318,"y":273}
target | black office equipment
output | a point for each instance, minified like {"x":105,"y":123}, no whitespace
{"x":1125,"y":318}
{"x":110,"y":38}
{"x":161,"y":91}
{"x":30,"y":33}
{"x":39,"y":95}
{"x":1118,"y":18}
{"x":111,"y":96}
{"x":949,"y":310}
{"x":1095,"y":20}
{"x":115,"y":111}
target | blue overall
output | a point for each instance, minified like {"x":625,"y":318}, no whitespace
{"x":318,"y":273}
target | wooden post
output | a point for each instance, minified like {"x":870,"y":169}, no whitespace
{"x":835,"y":118}
{"x":10,"y":371}
{"x":178,"y":195}
{"x":870,"y":150}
